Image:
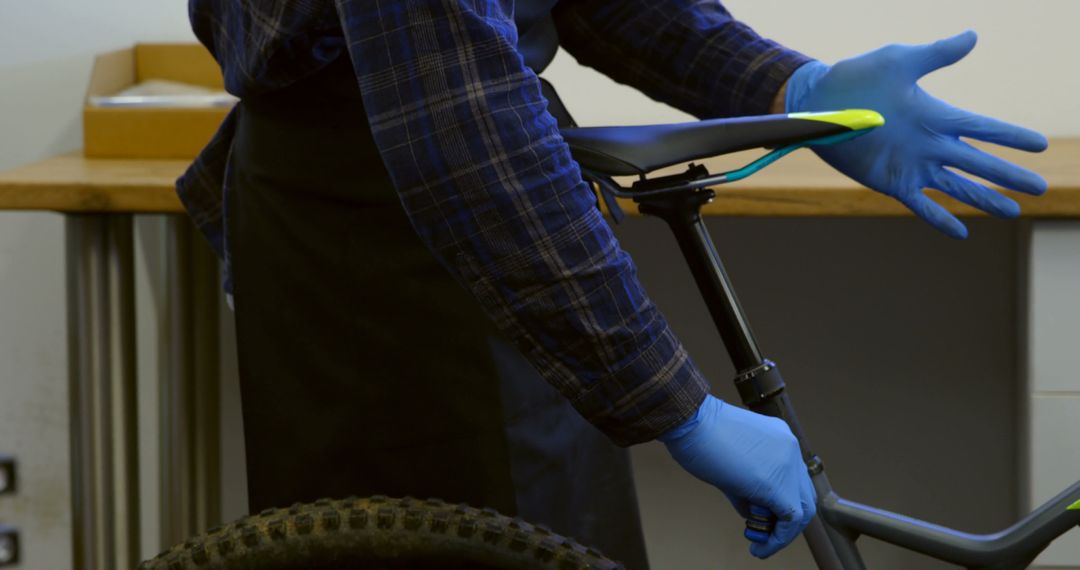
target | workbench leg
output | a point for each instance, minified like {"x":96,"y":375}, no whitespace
{"x":190,"y":389}
{"x":102,"y":391}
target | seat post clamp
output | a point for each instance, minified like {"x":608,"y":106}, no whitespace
{"x":759,"y":383}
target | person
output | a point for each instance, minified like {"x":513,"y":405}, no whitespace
{"x":428,"y":301}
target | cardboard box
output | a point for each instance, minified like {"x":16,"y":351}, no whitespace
{"x":112,"y":132}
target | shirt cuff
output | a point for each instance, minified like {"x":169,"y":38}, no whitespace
{"x":631,"y":410}
{"x":763,"y":80}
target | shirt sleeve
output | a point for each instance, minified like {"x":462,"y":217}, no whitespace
{"x":491,"y":188}
{"x":690,"y":54}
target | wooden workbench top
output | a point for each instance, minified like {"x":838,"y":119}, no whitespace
{"x":73,"y":183}
{"x":798,"y":185}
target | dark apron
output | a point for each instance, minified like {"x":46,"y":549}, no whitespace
{"x":364,"y":367}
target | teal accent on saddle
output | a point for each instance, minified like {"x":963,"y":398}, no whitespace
{"x":761,"y":163}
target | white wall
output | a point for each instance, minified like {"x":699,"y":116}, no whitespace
{"x":1052,"y":385}
{"x":46,"y":50}
{"x":1019,"y":72}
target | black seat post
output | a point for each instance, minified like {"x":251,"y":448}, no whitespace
{"x":758,"y":380}
{"x":682,"y":212}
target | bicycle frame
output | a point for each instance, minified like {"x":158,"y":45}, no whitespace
{"x":833,"y":533}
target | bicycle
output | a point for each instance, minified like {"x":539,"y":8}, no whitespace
{"x":385,"y":532}
{"x":677,"y":199}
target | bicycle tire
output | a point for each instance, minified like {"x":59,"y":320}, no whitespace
{"x":379,"y":532}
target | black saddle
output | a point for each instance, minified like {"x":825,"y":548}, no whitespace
{"x":617,"y":151}
{"x":638,"y":150}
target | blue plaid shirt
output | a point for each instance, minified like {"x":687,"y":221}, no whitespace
{"x":483,"y":174}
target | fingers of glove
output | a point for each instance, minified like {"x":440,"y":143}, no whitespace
{"x":794,"y":508}
{"x":935,"y":215}
{"x":943,"y":53}
{"x":787,"y":529}
{"x":741,"y":505}
{"x":961,"y":123}
{"x":996,"y":170}
{"x":975,"y":194}
{"x":809,"y":500}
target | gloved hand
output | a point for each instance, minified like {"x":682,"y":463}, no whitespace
{"x":921,"y":135}
{"x":753,"y":459}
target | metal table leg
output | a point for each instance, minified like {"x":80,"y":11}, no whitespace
{"x":104,"y":431}
{"x":190,"y":386}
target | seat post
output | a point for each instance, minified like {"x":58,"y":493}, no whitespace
{"x":682,"y":212}
{"x":758,"y":380}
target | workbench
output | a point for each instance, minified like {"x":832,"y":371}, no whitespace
{"x":99,"y":198}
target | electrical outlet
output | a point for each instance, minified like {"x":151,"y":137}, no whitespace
{"x":7,"y":474}
{"x":9,"y":546}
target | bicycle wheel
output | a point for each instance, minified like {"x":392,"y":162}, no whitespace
{"x":379,"y":532}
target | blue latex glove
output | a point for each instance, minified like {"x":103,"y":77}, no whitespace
{"x":921,"y":135}
{"x":753,"y":459}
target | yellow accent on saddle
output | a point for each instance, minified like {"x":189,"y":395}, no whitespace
{"x":854,"y":119}
{"x":1074,"y":507}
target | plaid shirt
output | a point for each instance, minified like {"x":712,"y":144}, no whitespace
{"x":483,"y":174}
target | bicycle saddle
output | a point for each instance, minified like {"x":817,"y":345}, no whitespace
{"x":637,"y":150}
